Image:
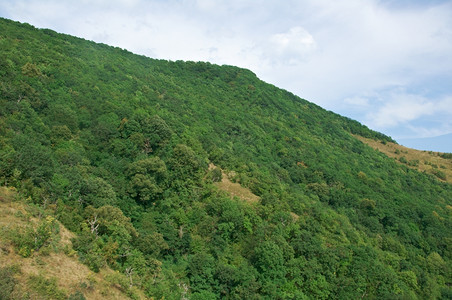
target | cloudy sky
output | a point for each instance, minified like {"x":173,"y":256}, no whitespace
{"x":385,"y":63}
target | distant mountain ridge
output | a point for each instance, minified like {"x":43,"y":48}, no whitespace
{"x":117,"y":148}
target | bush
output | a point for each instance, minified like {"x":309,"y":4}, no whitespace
{"x":121,"y":282}
{"x":215,"y":175}
{"x":414,"y":163}
{"x":47,"y":288}
{"x":77,"y":296}
{"x":446,"y":155}
{"x":7,"y":282}
{"x":118,"y":280}
{"x":403,"y":160}
{"x":28,"y":240}
{"x":440,"y":174}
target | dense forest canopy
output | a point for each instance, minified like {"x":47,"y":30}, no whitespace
{"x":117,"y":147}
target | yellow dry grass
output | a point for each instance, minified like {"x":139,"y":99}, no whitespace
{"x":70,"y":274}
{"x":428,"y":161}
{"x":234,"y":189}
{"x":6,"y":194}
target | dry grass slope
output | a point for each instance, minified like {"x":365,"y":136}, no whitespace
{"x":424,"y":161}
{"x":234,"y":189}
{"x":61,"y":266}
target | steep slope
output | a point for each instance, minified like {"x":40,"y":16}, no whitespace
{"x":120,"y":144}
{"x":436,"y":163}
{"x":52,"y":271}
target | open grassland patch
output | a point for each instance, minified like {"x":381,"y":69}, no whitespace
{"x":430,"y":162}
{"x":233,"y":188}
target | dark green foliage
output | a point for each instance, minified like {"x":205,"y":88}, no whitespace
{"x":439,"y":174}
{"x":269,"y":261}
{"x":215,"y":175}
{"x":446,"y":155}
{"x":97,"y":192}
{"x":77,"y":296}
{"x":119,"y":145}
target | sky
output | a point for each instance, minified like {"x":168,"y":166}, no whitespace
{"x":385,"y":63}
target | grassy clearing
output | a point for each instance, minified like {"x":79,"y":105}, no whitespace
{"x":424,"y":161}
{"x":234,"y":189}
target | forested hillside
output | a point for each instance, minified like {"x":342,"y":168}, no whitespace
{"x":117,"y":147}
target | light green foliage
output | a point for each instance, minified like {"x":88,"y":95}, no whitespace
{"x":90,"y":248}
{"x":185,"y":163}
{"x":111,"y":221}
{"x":32,"y":238}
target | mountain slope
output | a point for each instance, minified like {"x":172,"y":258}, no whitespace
{"x":436,"y":163}
{"x":120,"y":144}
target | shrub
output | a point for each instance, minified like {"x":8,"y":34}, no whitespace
{"x":414,"y":163}
{"x":47,"y":288}
{"x":7,"y":282}
{"x":27,"y":239}
{"x":77,"y":296}
{"x":440,"y":174}
{"x":215,"y":175}
{"x":446,"y":155}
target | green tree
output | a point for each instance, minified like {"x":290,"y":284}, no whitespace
{"x":185,"y":163}
{"x":269,"y":261}
{"x":147,"y":179}
{"x":98,"y":192}
{"x":200,"y":271}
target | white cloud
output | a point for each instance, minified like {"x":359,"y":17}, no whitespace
{"x":358,"y":102}
{"x":401,"y":108}
{"x":291,"y":47}
{"x":420,"y":116}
